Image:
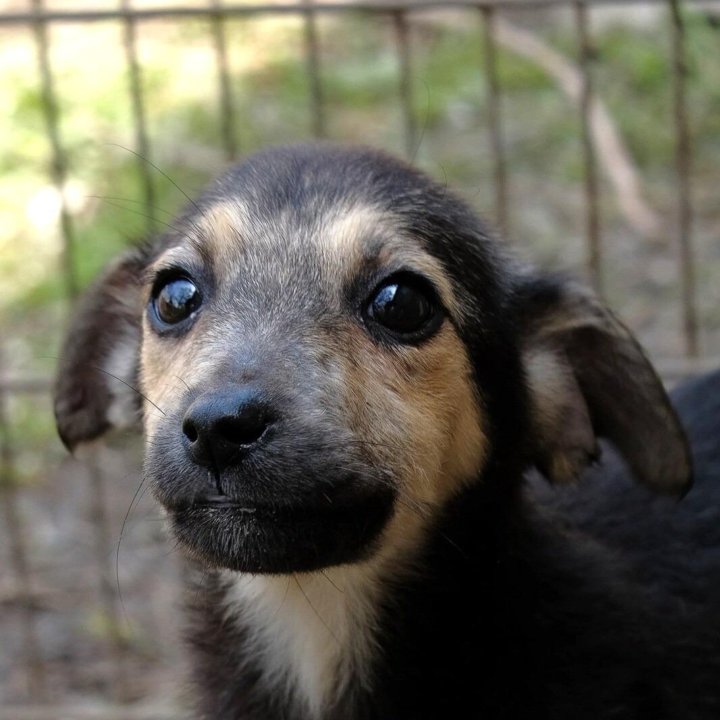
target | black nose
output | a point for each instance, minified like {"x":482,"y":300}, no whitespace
{"x":222,"y":426}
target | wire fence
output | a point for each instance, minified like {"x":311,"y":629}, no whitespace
{"x":400,"y":16}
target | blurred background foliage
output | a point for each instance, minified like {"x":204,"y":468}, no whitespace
{"x":359,"y":73}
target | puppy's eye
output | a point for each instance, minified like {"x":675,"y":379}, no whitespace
{"x":176,"y":300}
{"x":406,"y":307}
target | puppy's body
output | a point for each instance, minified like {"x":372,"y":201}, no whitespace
{"x":347,"y":386}
{"x":595,"y":602}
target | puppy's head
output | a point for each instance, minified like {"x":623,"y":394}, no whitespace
{"x":330,"y":347}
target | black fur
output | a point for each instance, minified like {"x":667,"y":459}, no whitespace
{"x":528,"y":602}
{"x":595,"y":602}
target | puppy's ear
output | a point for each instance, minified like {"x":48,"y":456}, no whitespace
{"x":589,"y":378}
{"x":98,"y":369}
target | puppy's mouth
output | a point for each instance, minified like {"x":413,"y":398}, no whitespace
{"x":267,"y":538}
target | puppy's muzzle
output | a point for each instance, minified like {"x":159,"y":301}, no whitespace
{"x":222,"y":427}
{"x":267,"y":481}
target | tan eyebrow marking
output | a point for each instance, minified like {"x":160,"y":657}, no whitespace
{"x":226,"y":218}
{"x":215,"y":238}
{"x":222,"y":230}
{"x":179,"y":255}
{"x":351,"y":229}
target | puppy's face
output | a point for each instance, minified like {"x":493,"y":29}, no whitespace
{"x":331,"y":347}
{"x":315,"y":393}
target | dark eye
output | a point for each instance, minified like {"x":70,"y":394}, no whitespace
{"x":407,"y":307}
{"x":176,"y":300}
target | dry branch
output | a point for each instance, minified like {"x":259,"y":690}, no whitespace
{"x":612,"y":154}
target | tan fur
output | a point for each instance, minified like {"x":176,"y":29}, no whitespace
{"x":419,"y":403}
{"x":306,"y":629}
{"x":561,"y":420}
{"x":346,"y":235}
{"x":419,"y":406}
{"x":166,"y":370}
{"x":222,"y":230}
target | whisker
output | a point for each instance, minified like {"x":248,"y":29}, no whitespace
{"x":329,"y":579}
{"x":115,"y":377}
{"x":145,"y":397}
{"x":139,"y":213}
{"x":183,"y":382}
{"x":282,"y":602}
{"x":117,"y":550}
{"x":162,"y":172}
{"x":419,"y":142}
{"x":131,"y":200}
{"x":312,"y":607}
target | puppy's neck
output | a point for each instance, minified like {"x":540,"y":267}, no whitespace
{"x":311,"y":635}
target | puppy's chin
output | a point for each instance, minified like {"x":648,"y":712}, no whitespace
{"x":267,"y":539}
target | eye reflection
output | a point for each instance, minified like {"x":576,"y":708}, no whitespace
{"x":405,"y":306}
{"x":176,"y":300}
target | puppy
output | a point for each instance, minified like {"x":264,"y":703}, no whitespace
{"x":346,"y":386}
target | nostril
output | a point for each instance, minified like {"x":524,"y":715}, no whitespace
{"x":189,"y":430}
{"x":244,"y":429}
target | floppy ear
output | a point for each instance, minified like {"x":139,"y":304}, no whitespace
{"x":589,"y":378}
{"x":98,"y":369}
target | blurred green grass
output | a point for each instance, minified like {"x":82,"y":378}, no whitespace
{"x":361,"y":100}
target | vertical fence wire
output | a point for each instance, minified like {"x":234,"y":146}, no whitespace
{"x":102,"y":543}
{"x":683,"y":162}
{"x":494,"y":118}
{"x":58,"y":160}
{"x":586,"y":58}
{"x":312,"y":64}
{"x":402,"y":40}
{"x":227,"y":110}
{"x":17,"y":546}
{"x":137,"y":106}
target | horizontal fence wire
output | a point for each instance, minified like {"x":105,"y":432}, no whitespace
{"x":377,"y":6}
{"x":399,"y":14}
{"x":83,"y":712}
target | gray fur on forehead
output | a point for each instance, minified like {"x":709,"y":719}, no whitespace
{"x":314,"y":179}
{"x":320,"y":177}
